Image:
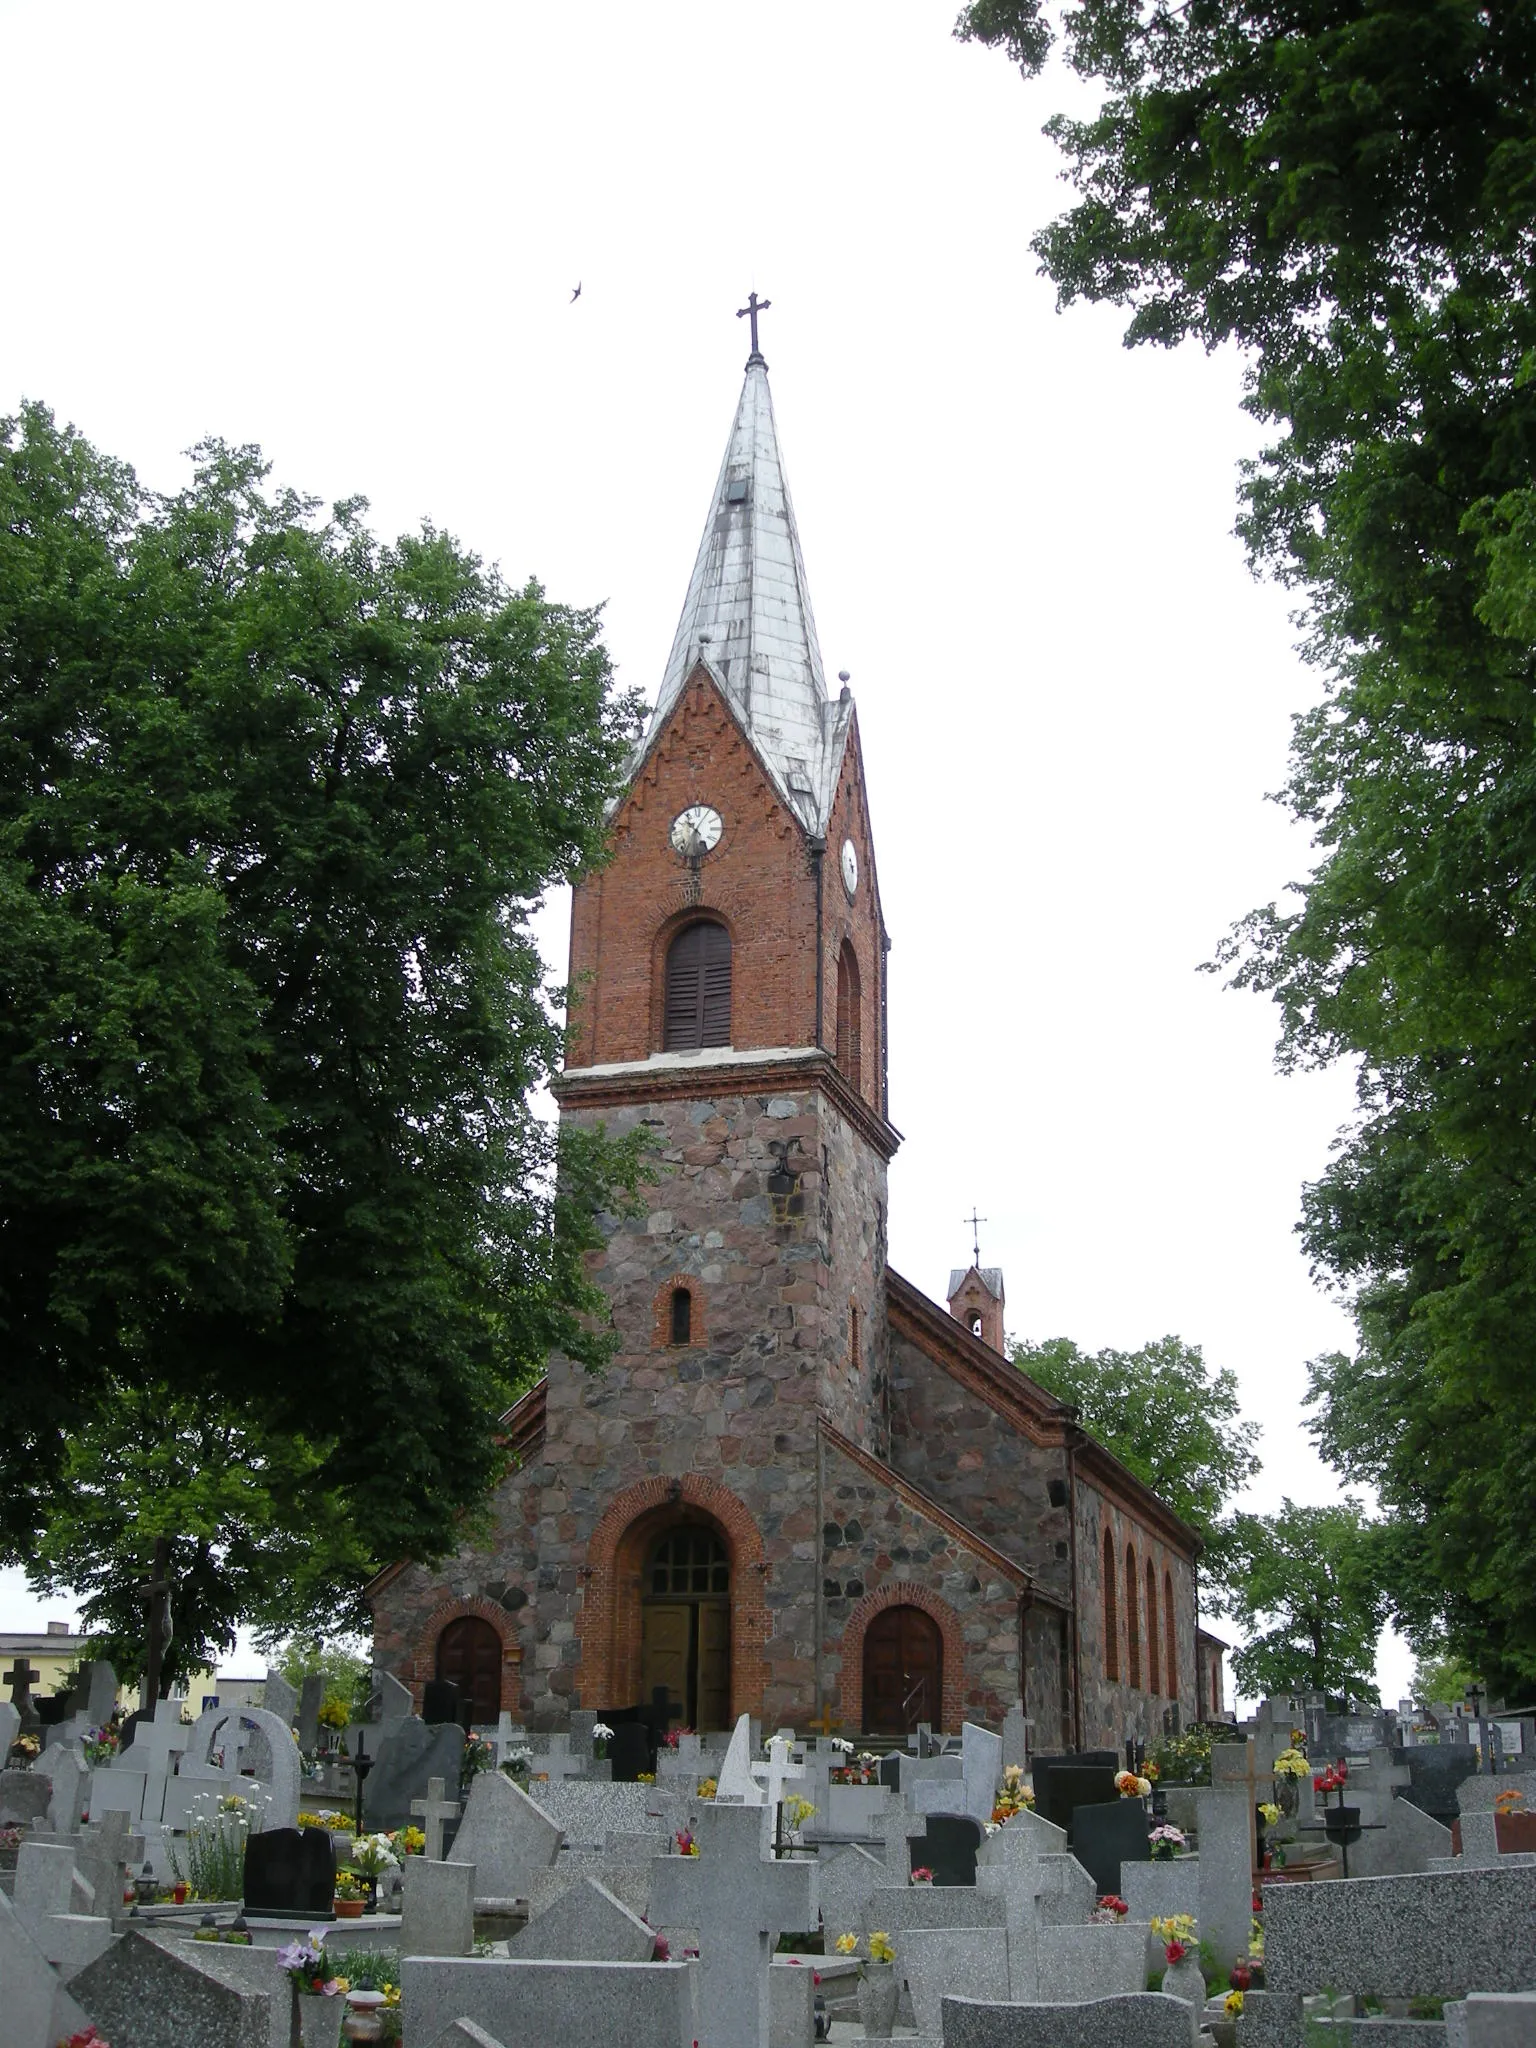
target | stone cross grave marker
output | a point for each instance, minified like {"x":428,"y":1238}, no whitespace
{"x":21,"y":1678}
{"x":311,"y":1700}
{"x":1228,"y":1846}
{"x":558,"y":1764}
{"x":740,"y":1903}
{"x":509,"y":1735}
{"x":1016,"y":1726}
{"x":434,"y":1810}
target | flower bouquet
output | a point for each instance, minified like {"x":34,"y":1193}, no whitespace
{"x":879,"y":1988}
{"x":686,"y":1845}
{"x":349,"y":1894}
{"x":602,"y":1735}
{"x":517,"y":1762}
{"x":1167,"y":1842}
{"x":922,"y":1874}
{"x":707,"y":1788}
{"x":1183,"y":1977}
{"x":1013,"y":1797}
{"x":407,"y":1841}
{"x":1130,"y":1785}
{"x":1110,"y":1909}
{"x":321,"y":1993}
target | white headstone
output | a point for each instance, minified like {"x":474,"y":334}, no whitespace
{"x":736,"y":1781}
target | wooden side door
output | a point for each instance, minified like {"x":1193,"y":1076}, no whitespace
{"x":714,"y":1667}
{"x":469,"y":1656}
{"x":665,"y":1640}
{"x":903,"y":1672}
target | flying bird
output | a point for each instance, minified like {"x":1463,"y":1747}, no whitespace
{"x":575,"y":295}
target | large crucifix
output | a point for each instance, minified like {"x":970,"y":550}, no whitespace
{"x":750,"y":311}
{"x":975,"y":1222}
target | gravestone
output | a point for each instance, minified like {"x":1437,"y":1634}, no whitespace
{"x":21,"y":1678}
{"x":1434,"y":1774}
{"x":24,"y":1798}
{"x":630,"y":1752}
{"x":104,"y":1853}
{"x":1145,"y":2019}
{"x":39,"y":2012}
{"x":1105,"y":1837}
{"x":411,"y":1754}
{"x":1043,"y":1766}
{"x":1070,"y":1785}
{"x":437,"y":1915}
{"x":734,"y":1779}
{"x":311,"y":1700}
{"x":65,"y":1770}
{"x":290,"y":1874}
{"x":587,"y":1924}
{"x":846,"y":1881}
{"x":432,"y":1812}
{"x":936,"y":1961}
{"x":465,"y":2034}
{"x":552,"y":2004}
{"x":1015,"y":1738}
{"x":949,"y":1848}
{"x":507,"y":1837}
{"x":278,"y":1696}
{"x":1023,"y":1838}
{"x":10,"y":1728}
{"x":45,"y":1904}
{"x":1099,"y":1960}
{"x":150,"y":1996}
{"x":982,"y":1760}
{"x":894,"y":1908}
{"x":739,"y":1903}
{"x":1225,"y":1826}
{"x":441,"y":1702}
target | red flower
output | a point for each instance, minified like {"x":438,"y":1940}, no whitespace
{"x":1175,"y":1951}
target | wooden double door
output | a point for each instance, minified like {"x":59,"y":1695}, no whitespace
{"x":685,"y":1632}
{"x":903,"y":1672}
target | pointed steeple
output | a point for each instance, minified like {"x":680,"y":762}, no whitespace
{"x":747,"y":617}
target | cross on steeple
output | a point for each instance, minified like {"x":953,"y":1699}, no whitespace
{"x":975,"y":1222}
{"x":750,"y":311}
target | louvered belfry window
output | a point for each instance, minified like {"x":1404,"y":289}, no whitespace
{"x":698,"y":1002}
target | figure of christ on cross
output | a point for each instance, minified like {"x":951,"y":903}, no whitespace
{"x":740,"y":1903}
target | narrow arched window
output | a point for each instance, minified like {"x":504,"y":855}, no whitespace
{"x":1111,"y":1611}
{"x":1132,"y":1625}
{"x":682,"y":1316}
{"x":854,"y":1354}
{"x":976,"y":1323}
{"x":849,"y":1047}
{"x":1152,"y":1685}
{"x":1170,"y":1641}
{"x":697,"y":1009}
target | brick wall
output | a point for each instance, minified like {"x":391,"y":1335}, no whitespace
{"x":1114,"y":1708}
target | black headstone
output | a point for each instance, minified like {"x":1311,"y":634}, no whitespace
{"x":410,"y":1756}
{"x":1072,"y":1785}
{"x":290,"y":1874}
{"x":1435,"y":1770}
{"x":890,"y":1770}
{"x":440,"y":1702}
{"x":1040,"y":1768}
{"x":1104,"y":1837}
{"x":631,"y":1751}
{"x":949,"y":1847}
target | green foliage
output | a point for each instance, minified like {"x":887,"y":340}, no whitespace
{"x":1167,"y":1415}
{"x":276,"y":801}
{"x":347,"y":1676}
{"x":1186,"y":1759}
{"x":367,"y":1969}
{"x":1443,"y":1678}
{"x":1308,"y":1583}
{"x":1347,"y":190}
{"x":252,"y":1526}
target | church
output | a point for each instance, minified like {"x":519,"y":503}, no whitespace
{"x":802,"y":1489}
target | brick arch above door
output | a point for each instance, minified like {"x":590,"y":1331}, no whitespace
{"x":610,"y":1608}
{"x":903,"y":1593}
{"x":424,"y":1664}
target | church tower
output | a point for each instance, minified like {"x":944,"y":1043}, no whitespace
{"x":728,"y":977}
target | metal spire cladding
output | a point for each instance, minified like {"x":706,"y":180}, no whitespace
{"x":747,"y":617}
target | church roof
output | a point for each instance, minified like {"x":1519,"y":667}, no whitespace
{"x":747,"y":617}
{"x":991,"y":1277}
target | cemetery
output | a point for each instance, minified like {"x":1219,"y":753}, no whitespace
{"x":490,"y":1884}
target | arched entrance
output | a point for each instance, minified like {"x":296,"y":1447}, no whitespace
{"x":903,"y":1672}
{"x":685,"y":1626}
{"x":469,"y":1656}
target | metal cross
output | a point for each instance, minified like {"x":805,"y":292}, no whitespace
{"x":750,"y":310}
{"x":826,"y":1722}
{"x":975,"y":1222}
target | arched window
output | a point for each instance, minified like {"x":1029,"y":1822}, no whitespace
{"x":697,"y":1009}
{"x":849,"y":1054}
{"x":854,"y":1353}
{"x":1111,"y":1611}
{"x":1132,"y":1619}
{"x":682,"y":1316}
{"x":1170,"y":1641}
{"x":975,"y":1322}
{"x":1152,"y":1685}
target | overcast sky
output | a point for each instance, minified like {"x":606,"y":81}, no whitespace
{"x":351,"y":233}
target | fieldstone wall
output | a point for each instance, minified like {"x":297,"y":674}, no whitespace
{"x":1112,"y":1706}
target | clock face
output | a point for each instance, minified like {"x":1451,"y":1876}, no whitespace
{"x":850,"y":867}
{"x":696,"y":831}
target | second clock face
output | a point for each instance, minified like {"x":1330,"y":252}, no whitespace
{"x":850,"y":867}
{"x":696,"y":831}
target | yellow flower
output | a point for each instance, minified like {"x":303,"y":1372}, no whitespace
{"x":708,"y":1788}
{"x":1174,"y":1927}
{"x":880,"y":1950}
{"x":1270,"y":1811}
{"x":391,"y":1994}
{"x":846,"y":1944}
{"x":1232,"y":2004}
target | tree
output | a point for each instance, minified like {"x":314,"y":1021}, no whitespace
{"x":1308,"y":1583}
{"x":1346,"y":189}
{"x":238,"y":1520}
{"x":275,"y":803}
{"x":347,"y":1676}
{"x":1165,"y":1414}
{"x":1442,"y":1678}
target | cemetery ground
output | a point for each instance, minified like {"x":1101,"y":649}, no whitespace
{"x":253,"y":1880}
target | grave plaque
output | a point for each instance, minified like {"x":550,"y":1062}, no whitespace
{"x":1104,"y":1837}
{"x":1072,"y":1785}
{"x":630,"y":1751}
{"x":290,"y":1874}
